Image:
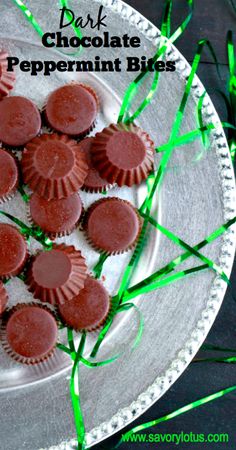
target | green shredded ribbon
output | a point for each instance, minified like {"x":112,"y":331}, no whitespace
{"x":133,"y":88}
{"x":191,"y":136}
{"x":75,"y":395}
{"x":156,"y":183}
{"x":29,"y":16}
{"x":232,"y":93}
{"x":153,"y":279}
{"x":97,"y":270}
{"x":178,"y":412}
{"x":183,"y":244}
{"x":91,"y":364}
{"x":204,"y":134}
{"x":215,"y":348}
{"x":165,"y":33}
{"x":25,"y":197}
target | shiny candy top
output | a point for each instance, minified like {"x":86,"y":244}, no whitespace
{"x":72,"y":109}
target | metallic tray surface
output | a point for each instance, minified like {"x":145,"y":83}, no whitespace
{"x":196,"y":198}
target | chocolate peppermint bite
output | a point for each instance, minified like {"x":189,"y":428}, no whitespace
{"x":53,"y":166}
{"x":29,"y":333}
{"x":72,"y":110}
{"x":88,"y":310}
{"x":123,"y":154}
{"x":20,"y":121}
{"x":7,"y":79}
{"x":58,"y":275}
{"x":3,"y":298}
{"x":112,"y":225}
{"x":9,"y":175}
{"x":13,"y":251}
{"x":93,"y":181}
{"x":56,"y":218}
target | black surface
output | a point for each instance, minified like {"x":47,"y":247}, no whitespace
{"x":212,"y":19}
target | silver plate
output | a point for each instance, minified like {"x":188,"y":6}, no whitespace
{"x":196,"y":198}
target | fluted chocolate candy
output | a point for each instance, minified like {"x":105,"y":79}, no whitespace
{"x":88,"y":310}
{"x":30,"y":333}
{"x":56,"y":217}
{"x":53,"y":166}
{"x":123,"y":154}
{"x":112,"y":225}
{"x":58,"y":275}
{"x":72,"y":110}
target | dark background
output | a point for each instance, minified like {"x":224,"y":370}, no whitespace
{"x":212,"y":19}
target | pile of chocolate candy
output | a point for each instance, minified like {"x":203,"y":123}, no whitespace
{"x":55,"y":166}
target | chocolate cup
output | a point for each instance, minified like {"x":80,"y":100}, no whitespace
{"x":53,"y":166}
{"x":58,"y":275}
{"x":72,"y":109}
{"x":123,"y":154}
{"x":9,"y":175}
{"x":29,"y":333}
{"x":13,"y":251}
{"x":89,"y":310}
{"x":56,"y":218}
{"x":112,"y":225}
{"x":93,"y":182}
{"x":7,"y":79}
{"x":20,"y":121}
{"x":3,"y":298}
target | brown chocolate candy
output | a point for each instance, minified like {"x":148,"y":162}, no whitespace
{"x":9,"y":175}
{"x":20,"y":121}
{"x":56,"y":276}
{"x":88,"y":310}
{"x":123,"y":154}
{"x":7,"y":79}
{"x":112,"y":225}
{"x":30,"y":333}
{"x":72,"y":109}
{"x":93,"y":182}
{"x":13,"y":251}
{"x":53,"y":166}
{"x":3,"y":298}
{"x":56,"y":217}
